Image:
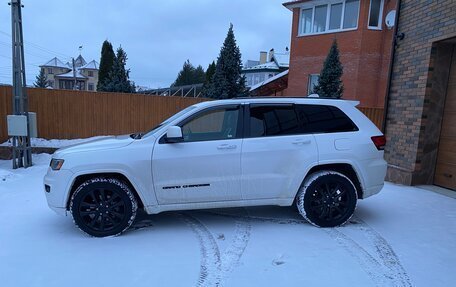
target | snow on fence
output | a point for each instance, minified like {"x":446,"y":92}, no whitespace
{"x":68,"y":114}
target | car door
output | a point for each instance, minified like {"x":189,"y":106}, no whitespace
{"x":276,"y":153}
{"x":206,"y":165}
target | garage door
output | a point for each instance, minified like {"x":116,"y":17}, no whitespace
{"x":445,"y":170}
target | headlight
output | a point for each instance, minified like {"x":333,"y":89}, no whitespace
{"x":56,"y":164}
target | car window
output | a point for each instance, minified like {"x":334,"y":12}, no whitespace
{"x":271,"y":120}
{"x":216,"y":124}
{"x":170,"y":119}
{"x":324,"y":119}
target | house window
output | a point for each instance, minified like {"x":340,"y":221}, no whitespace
{"x":320,"y":18}
{"x":329,"y":18}
{"x":313,"y":81}
{"x":90,"y":86}
{"x":375,"y":14}
{"x":90,"y":73}
{"x":261,"y":77}
{"x":50,"y":71}
{"x":306,"y":21}
{"x":50,"y":83}
{"x":335,"y":17}
{"x":256,"y":79}
{"x":249,"y":80}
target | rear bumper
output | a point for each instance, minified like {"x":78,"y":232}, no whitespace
{"x":56,"y":184}
{"x":374,"y":172}
{"x":372,"y":190}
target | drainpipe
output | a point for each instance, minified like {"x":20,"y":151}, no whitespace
{"x":390,"y":73}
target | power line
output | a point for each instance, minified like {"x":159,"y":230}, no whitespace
{"x":45,"y":57}
{"x":36,"y":46}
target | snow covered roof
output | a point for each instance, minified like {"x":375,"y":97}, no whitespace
{"x":55,"y":62}
{"x":79,"y":61}
{"x":90,"y":65}
{"x":70,"y":75}
{"x":266,"y":66}
{"x":251,"y":63}
{"x":260,"y":84}
{"x":282,"y":59}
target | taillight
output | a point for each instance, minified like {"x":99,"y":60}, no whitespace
{"x":379,"y":142}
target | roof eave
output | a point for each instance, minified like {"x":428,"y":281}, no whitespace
{"x":293,"y":4}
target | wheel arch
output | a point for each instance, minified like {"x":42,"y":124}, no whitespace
{"x":79,"y":179}
{"x":344,"y":168}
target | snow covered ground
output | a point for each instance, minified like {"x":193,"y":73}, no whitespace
{"x":402,"y":237}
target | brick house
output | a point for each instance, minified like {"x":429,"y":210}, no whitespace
{"x":421,"y":104}
{"x":364,"y":43}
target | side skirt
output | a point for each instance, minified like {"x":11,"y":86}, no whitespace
{"x":154,"y":209}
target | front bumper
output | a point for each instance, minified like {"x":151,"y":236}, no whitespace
{"x":56,"y":188}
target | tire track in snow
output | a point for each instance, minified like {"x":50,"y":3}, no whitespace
{"x":232,"y":255}
{"x":386,"y":253}
{"x":388,"y":271}
{"x":210,"y":265}
{"x":367,"y":262}
{"x":230,"y":258}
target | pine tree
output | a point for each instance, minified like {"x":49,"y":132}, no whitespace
{"x":119,"y":76}
{"x":106,"y":64}
{"x":330,"y":84}
{"x":227,"y":81}
{"x":189,"y":75}
{"x":199,"y":75}
{"x":185,"y":76}
{"x":210,"y":71}
{"x":41,"y":80}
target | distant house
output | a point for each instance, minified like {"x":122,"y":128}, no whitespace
{"x":62,"y":76}
{"x":267,"y":67}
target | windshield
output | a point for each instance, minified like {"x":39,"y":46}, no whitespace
{"x":170,"y":119}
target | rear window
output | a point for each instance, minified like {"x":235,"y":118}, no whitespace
{"x":324,"y":119}
{"x":273,"y":120}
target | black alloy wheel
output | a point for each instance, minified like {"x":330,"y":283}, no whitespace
{"x":329,"y":199}
{"x":103,"y":207}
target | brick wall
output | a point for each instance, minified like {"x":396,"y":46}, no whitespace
{"x":417,"y":91}
{"x":365,"y":56}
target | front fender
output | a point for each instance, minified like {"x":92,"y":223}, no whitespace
{"x":143,"y":188}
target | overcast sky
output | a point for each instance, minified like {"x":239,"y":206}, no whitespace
{"x":158,"y":36}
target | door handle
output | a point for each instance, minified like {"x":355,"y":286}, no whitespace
{"x":227,"y":146}
{"x":302,"y":142}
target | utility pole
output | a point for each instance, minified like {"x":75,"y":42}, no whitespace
{"x":74,"y":76}
{"x":22,"y":153}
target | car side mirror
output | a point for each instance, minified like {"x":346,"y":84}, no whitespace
{"x":174,"y":135}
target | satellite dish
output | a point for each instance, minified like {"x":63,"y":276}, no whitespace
{"x":390,"y":19}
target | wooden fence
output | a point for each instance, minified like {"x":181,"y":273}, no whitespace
{"x":66,"y":114}
{"x":374,"y":114}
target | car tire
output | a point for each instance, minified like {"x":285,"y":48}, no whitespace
{"x":103,"y":207}
{"x":327,"y":199}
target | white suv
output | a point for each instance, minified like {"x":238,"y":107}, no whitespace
{"x":321,"y":154}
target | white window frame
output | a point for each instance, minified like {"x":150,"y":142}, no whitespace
{"x":328,"y":14}
{"x":309,"y":80}
{"x":380,"y":16}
